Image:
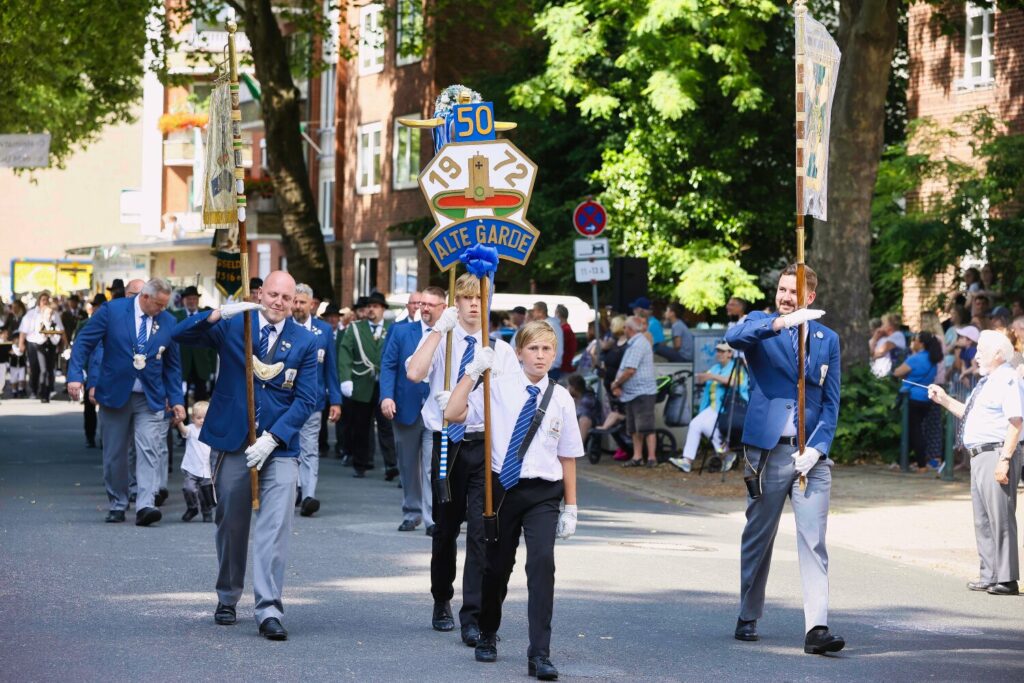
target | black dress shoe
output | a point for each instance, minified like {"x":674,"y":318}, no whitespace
{"x":346,"y":460}
{"x":978,"y":585}
{"x":190,"y":513}
{"x":390,"y":473}
{"x":161,"y":496}
{"x":542,"y":669}
{"x":486,"y":648}
{"x":746,"y":630}
{"x":471,"y":634}
{"x":819,"y":641}
{"x":408,"y":525}
{"x":115,"y":516}
{"x":359,"y":474}
{"x":147,"y":516}
{"x":224,"y":614}
{"x":443,"y":619}
{"x":207,"y":516}
{"x":1006,"y":588}
{"x":431,"y":530}
{"x":271,"y":629}
{"x":309,"y":506}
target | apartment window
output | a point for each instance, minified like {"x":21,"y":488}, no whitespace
{"x":979,"y":61}
{"x":404,"y":263}
{"x":328,"y":110}
{"x":371,"y":39}
{"x":327,"y":203}
{"x":366,"y":270}
{"x":406,"y":155}
{"x":368,"y":161}
{"x":409,"y":32}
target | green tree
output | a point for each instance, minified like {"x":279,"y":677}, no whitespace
{"x":70,"y":68}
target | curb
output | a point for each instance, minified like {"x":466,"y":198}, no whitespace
{"x":593,"y":474}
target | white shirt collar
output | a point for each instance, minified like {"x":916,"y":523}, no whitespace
{"x":308,"y":324}
{"x":278,"y":327}
{"x":138,"y":308}
{"x":542,"y":384}
{"x":462,"y":333}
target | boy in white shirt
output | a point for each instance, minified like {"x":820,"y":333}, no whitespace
{"x":196,"y":466}
{"x":535,"y":441}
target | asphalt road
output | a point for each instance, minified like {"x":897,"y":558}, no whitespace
{"x":646,"y":590}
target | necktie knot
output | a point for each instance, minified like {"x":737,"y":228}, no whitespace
{"x":470,"y":340}
{"x":534,"y":390}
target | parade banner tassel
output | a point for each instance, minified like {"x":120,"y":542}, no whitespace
{"x":219,"y":187}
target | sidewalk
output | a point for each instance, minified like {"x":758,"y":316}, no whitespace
{"x":915,"y":519}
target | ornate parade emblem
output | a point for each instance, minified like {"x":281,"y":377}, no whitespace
{"x":139,"y":361}
{"x":478,"y":189}
{"x":264,"y":371}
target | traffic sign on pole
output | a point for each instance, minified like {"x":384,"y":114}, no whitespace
{"x":589,"y":218}
{"x":597,"y":270}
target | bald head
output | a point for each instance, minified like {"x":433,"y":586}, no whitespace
{"x":134,"y":287}
{"x":278,"y":296}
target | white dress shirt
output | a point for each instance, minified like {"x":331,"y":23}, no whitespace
{"x":557,"y":437}
{"x":505,"y":362}
{"x":137,"y":387}
{"x":33,"y":322}
{"x":995,"y":402}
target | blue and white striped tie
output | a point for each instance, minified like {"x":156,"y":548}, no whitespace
{"x":512,"y":465}
{"x":142,"y":333}
{"x":265,"y":341}
{"x":457,"y":431}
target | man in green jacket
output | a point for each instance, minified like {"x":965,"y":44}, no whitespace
{"x":198,"y":365}
{"x":359,"y":355}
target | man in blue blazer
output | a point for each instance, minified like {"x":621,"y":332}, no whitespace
{"x":139,"y":377}
{"x":774,"y":465}
{"x":401,"y":401}
{"x":285,"y":395}
{"x":328,"y":393}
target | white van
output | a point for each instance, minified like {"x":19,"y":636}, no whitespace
{"x":581,"y":315}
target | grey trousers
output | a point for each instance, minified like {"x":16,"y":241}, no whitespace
{"x":272,"y":529}
{"x":995,"y":518}
{"x":414,"y":445}
{"x":190,"y":484}
{"x":309,"y":454}
{"x":136,"y":424}
{"x":810,"y":508}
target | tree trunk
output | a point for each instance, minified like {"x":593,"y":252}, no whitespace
{"x":282,"y":115}
{"x":840,"y":248}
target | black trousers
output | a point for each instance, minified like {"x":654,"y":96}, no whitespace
{"x":530,"y":507}
{"x":90,"y":421}
{"x":361,"y":419}
{"x":920,"y":432}
{"x":46,"y":355}
{"x":322,"y":443}
{"x":466,"y":482}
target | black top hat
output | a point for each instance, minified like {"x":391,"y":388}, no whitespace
{"x":361,"y":302}
{"x":330,"y":310}
{"x":376,"y":298}
{"x":190,"y":291}
{"x":98,"y":300}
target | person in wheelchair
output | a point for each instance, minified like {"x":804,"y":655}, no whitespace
{"x":705,"y":423}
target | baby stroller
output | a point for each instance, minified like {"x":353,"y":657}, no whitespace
{"x":664,"y":441}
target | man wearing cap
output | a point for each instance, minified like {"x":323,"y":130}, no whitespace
{"x":775,"y":465}
{"x":990,"y":430}
{"x":328,"y":395}
{"x":198,"y":364}
{"x":359,"y":358}
{"x":642,"y":308}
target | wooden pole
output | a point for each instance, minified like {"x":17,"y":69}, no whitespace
{"x":243,"y":249}
{"x":799,"y":10}
{"x":490,"y":523}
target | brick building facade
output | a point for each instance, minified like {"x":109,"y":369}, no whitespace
{"x":979,"y":66}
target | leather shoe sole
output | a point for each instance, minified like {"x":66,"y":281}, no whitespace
{"x":147,"y":516}
{"x":309,"y":507}
{"x":542,"y":671}
{"x":271,"y":629}
{"x":485,"y":654}
{"x":470,"y":635}
{"x":820,"y":641}
{"x":978,"y":585}
{"x":746,"y":631}
{"x":1003,"y":589}
{"x":115,"y":516}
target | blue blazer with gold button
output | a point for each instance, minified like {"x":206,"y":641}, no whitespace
{"x":773,"y":377}
{"x":283,"y":403}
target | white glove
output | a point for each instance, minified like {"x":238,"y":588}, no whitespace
{"x":258,"y":453}
{"x":229,"y":311}
{"x":482,"y":361}
{"x":442,"y":398}
{"x":806,"y":460}
{"x":17,"y":350}
{"x":800,"y":316}
{"x":66,"y":354}
{"x":566,"y":522}
{"x":346,"y":388}
{"x":446,"y":323}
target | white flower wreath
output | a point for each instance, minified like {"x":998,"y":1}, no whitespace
{"x":449,"y":97}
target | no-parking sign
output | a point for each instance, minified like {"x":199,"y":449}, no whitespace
{"x":589,"y":218}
